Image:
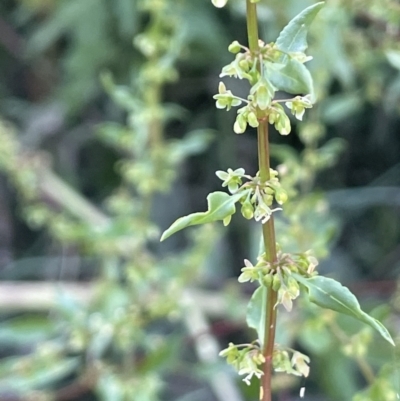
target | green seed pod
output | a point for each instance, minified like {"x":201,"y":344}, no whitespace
{"x":276,"y":282}
{"x":244,"y":65}
{"x":269,"y":200}
{"x":267,"y":280}
{"x":281,"y":196}
{"x":252,"y":120}
{"x":247,"y":210}
{"x":293,"y":287}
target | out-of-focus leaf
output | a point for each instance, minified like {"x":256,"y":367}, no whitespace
{"x":100,"y":341}
{"x":53,"y":28}
{"x":127,"y":16}
{"x":338,"y":107}
{"x":109,"y":388}
{"x":38,"y":377}
{"x":26,"y":329}
{"x":393,"y":56}
{"x":334,"y":56}
{"x":256,"y":311}
{"x":193,"y":143}
{"x":164,"y":356}
{"x":334,"y":368}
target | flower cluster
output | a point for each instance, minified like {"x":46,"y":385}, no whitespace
{"x":258,"y":196}
{"x":298,"y":105}
{"x":296,"y":365}
{"x":245,"y":358}
{"x":278,"y":275}
{"x":260,"y":104}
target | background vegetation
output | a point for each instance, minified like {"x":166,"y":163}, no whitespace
{"x":69,"y":166}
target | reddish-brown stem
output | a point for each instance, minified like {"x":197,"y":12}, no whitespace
{"x":268,"y":229}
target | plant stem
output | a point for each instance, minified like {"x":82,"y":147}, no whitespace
{"x":252,"y":25}
{"x":268,"y":228}
{"x":270,"y":248}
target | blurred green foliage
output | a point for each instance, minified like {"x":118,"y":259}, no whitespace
{"x":66,"y":118}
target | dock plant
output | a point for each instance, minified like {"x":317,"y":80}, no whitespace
{"x":279,"y":85}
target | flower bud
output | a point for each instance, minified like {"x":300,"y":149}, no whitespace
{"x":281,"y":196}
{"x":267,"y":280}
{"x":234,"y":47}
{"x":244,"y":65}
{"x":247,"y":210}
{"x":240,"y":124}
{"x":252,"y":120}
{"x":293,"y":287}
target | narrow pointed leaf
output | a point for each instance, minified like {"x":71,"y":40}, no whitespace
{"x":220,"y":206}
{"x":256,"y":311}
{"x":330,"y":294}
{"x":293,"y":37}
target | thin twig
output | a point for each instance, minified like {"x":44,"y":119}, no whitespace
{"x":207,"y":349}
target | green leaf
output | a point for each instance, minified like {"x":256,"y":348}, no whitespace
{"x":25,"y":329}
{"x":220,"y":206}
{"x":393,"y":56}
{"x":126,"y":12}
{"x":293,"y":37}
{"x":330,"y":294}
{"x":256,"y":312}
{"x":193,"y":143}
{"x":40,"y":377}
{"x":292,"y":77}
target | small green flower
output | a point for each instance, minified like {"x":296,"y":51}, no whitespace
{"x":278,"y":117}
{"x":300,"y":363}
{"x":238,"y":68}
{"x":249,"y":273}
{"x":281,"y":195}
{"x":263,"y":92}
{"x":298,"y":105}
{"x":231,"y":178}
{"x":225,"y":98}
{"x":285,"y":298}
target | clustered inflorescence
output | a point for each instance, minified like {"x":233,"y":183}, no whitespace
{"x":272,"y":70}
{"x":260,"y":70}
